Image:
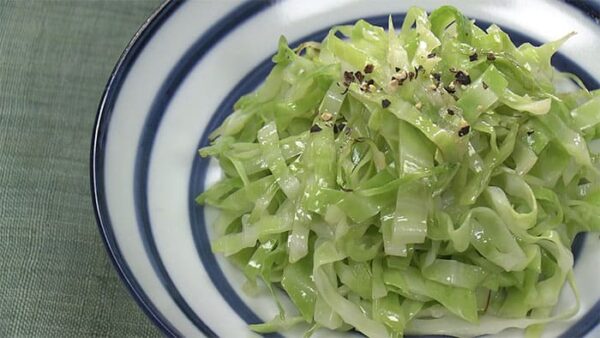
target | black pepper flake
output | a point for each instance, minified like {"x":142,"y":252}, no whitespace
{"x":346,"y":189}
{"x":315,"y":128}
{"x":417,"y":69}
{"x":491,"y":57}
{"x":385,"y":103}
{"x":530,"y":132}
{"x":450,"y":112}
{"x":397,"y":81}
{"x":473,"y":57}
{"x":462,"y":77}
{"x":397,"y":69}
{"x":437,"y":76}
{"x":450,"y":90}
{"x":366,"y":86}
{"x":430,"y":55}
{"x":485,"y":85}
{"x":464,"y":131}
{"x":359,"y":76}
{"x":369,"y":68}
{"x":338,"y":127}
{"x":411,"y":76}
{"x":348,"y":78}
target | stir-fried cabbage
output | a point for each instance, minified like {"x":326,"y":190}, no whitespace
{"x":425,"y":180}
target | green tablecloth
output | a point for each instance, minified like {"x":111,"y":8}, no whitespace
{"x":55,"y":276}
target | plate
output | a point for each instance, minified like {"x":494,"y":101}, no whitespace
{"x":178,"y":79}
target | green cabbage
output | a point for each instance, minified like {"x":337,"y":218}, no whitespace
{"x":426,"y":180}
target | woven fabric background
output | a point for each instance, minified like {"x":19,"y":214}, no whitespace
{"x":56,"y":279}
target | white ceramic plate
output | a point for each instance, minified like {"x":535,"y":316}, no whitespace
{"x":178,"y":79}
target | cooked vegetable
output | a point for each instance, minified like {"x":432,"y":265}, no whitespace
{"x":426,"y":180}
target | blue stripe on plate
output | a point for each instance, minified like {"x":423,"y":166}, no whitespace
{"x":193,"y":55}
{"x":103,"y":117}
{"x":591,"y":8}
{"x":585,"y":324}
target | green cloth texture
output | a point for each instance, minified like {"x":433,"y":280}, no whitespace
{"x":56,"y":279}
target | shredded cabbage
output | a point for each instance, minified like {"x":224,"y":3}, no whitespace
{"x":426,"y":180}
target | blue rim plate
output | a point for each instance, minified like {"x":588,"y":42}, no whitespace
{"x":178,"y":79}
